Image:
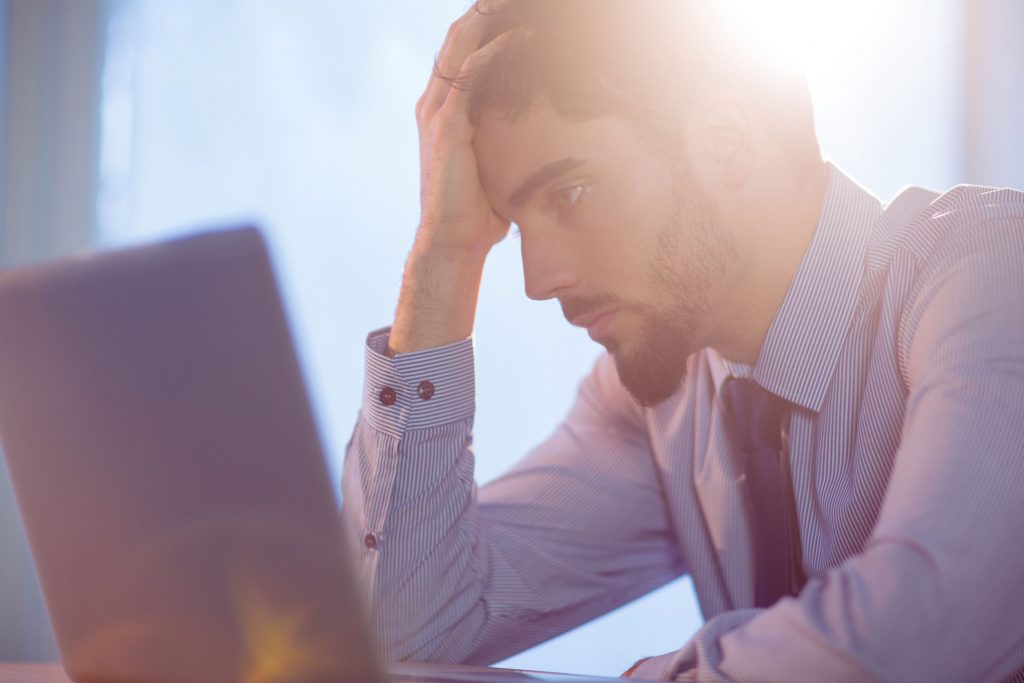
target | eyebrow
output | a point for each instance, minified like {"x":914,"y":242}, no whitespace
{"x":542,"y":175}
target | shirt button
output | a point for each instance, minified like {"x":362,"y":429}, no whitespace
{"x":370,"y":541}
{"x":388,"y":396}
{"x":425,"y":390}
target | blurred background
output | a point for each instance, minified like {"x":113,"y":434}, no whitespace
{"x":125,"y":121}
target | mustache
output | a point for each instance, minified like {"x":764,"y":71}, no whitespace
{"x":579,"y":306}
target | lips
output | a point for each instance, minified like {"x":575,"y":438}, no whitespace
{"x":588,"y":319}
{"x":596,"y":323}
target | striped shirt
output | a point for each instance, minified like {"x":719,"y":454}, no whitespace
{"x":899,"y":348}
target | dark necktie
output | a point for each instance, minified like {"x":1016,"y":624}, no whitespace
{"x":756,"y":420}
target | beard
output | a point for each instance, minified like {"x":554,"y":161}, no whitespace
{"x":692,"y":255}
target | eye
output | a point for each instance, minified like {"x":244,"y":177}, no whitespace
{"x":569,"y":198}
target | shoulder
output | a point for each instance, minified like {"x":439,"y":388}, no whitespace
{"x":943,"y":256}
{"x":964,"y":263}
{"x":920,"y":225}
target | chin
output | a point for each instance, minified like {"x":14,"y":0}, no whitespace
{"x":649,"y":377}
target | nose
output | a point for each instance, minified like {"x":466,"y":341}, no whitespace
{"x":547,"y":267}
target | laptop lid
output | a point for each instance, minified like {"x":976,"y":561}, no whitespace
{"x":168,"y":471}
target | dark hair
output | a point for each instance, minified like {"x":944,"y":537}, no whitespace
{"x":643,"y":59}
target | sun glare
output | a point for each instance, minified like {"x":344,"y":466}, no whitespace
{"x":815,"y":36}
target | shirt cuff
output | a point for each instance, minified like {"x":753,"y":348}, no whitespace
{"x":417,"y":390}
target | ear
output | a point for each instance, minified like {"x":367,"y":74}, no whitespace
{"x":723,"y":135}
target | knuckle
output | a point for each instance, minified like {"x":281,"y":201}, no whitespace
{"x":473,"y":61}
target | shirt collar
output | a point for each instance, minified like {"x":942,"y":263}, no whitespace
{"x":804,"y":340}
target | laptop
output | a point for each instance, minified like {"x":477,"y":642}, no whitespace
{"x":170,"y":477}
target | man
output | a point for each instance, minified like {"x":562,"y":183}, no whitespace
{"x":812,"y":402}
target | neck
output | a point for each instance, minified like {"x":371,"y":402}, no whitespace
{"x":770,"y":256}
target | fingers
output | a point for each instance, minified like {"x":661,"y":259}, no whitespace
{"x":464,"y":37}
{"x":454,"y":111}
{"x":632,"y":670}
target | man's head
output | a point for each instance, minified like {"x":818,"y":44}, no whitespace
{"x":634,"y":148}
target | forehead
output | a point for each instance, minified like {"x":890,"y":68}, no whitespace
{"x":509,"y":150}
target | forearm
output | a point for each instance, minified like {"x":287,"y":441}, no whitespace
{"x":896,"y":613}
{"x":407,"y":486}
{"x":413,"y":497}
{"x":457,"y":578}
{"x":437,"y":302}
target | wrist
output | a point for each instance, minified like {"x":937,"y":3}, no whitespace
{"x":432,"y":245}
{"x":437,"y":303}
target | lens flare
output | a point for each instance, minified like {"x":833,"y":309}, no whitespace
{"x":277,"y":641}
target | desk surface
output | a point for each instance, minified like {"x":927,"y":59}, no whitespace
{"x":400,"y":673}
{"x":32,"y":673}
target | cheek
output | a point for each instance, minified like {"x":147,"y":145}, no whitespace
{"x":607,"y":252}
{"x":627,"y":233}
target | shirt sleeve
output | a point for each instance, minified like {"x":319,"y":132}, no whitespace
{"x":453,"y":574}
{"x":935,"y":595}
